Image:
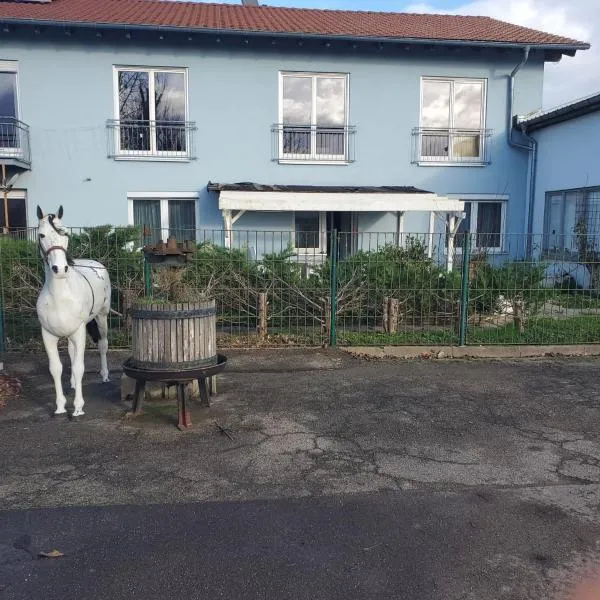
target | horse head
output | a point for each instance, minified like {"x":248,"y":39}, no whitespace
{"x":53,"y":241}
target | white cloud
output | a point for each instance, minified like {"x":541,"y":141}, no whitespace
{"x":569,"y":79}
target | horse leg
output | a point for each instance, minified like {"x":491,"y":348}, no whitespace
{"x":51,"y":345}
{"x":72,"y":358}
{"x":102,"y":320}
{"x":78,"y":367}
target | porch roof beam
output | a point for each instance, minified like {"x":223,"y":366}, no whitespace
{"x":336,"y":202}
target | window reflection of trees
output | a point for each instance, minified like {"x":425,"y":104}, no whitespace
{"x":148,"y":123}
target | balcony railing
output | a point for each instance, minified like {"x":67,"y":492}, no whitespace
{"x":151,"y":139}
{"x":450,"y":146}
{"x":14,"y":142}
{"x":313,"y":143}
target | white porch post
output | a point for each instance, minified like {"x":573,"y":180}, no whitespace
{"x":430,"y":234}
{"x":399,"y":228}
{"x":451,"y":236}
{"x":454,"y":221}
{"x":227,"y":223}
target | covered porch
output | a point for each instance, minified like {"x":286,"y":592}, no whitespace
{"x":316,"y":212}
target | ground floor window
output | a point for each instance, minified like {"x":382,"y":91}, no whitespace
{"x":486,"y":220}
{"x":13,"y":214}
{"x":164,"y":217}
{"x":572,"y":220}
{"x":309,"y":231}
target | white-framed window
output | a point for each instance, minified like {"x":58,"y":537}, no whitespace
{"x":10,"y":131}
{"x":164,"y":215}
{"x":486,"y":220}
{"x":313,"y":117}
{"x":151,"y":112}
{"x":452,"y":125}
{"x":310,"y":235}
{"x":572,"y":218}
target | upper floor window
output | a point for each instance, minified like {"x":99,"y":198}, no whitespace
{"x":151,"y":112}
{"x":14,"y":135}
{"x":452,"y":128}
{"x":313,"y":118}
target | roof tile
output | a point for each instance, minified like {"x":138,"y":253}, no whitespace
{"x":231,"y":17}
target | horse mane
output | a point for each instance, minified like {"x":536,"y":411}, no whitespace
{"x":51,"y":218}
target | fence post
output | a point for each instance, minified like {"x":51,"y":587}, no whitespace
{"x":333,"y":289}
{"x":262,"y":316}
{"x":464,"y":290}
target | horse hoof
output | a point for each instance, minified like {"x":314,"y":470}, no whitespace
{"x":106,"y":380}
{"x":77,"y":413}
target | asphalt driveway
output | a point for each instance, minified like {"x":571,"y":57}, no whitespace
{"x":344,"y":478}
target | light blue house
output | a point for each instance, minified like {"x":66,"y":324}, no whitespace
{"x":566,"y":199}
{"x":565,"y":206}
{"x":192,"y":117}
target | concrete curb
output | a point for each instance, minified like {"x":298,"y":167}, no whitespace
{"x":441,"y":352}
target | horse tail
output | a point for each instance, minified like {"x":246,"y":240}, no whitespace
{"x":92,"y":329}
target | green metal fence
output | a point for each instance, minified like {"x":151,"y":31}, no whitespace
{"x":338,"y":289}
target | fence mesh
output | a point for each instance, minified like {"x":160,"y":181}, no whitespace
{"x":344,"y":288}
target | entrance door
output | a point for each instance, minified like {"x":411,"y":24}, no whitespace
{"x":345,"y":224}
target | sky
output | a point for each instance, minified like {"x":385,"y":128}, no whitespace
{"x":565,"y":81}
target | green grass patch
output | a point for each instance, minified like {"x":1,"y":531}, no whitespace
{"x":582,"y":301}
{"x":402,"y":338}
{"x":583,"y":329}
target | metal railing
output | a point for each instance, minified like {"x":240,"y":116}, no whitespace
{"x":153,"y":139}
{"x":360,"y":289}
{"x":313,"y":143}
{"x":439,"y":145}
{"x":14,"y":141}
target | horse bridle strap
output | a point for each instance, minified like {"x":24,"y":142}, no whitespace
{"x":46,"y":252}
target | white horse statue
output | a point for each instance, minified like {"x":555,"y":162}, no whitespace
{"x":75,"y":298}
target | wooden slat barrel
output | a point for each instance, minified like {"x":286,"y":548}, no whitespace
{"x":174,"y":336}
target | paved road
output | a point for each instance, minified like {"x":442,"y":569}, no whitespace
{"x":345,"y":479}
{"x":411,"y":546}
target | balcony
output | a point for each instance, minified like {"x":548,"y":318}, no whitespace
{"x":313,"y":144}
{"x":14,"y":143}
{"x":466,"y":147}
{"x":151,"y":140}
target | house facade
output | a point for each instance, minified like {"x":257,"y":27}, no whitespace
{"x":566,"y":199}
{"x":192,"y":119}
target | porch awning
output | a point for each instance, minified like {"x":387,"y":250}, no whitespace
{"x":253,"y":196}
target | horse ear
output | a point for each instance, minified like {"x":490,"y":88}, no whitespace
{"x":59,"y":214}
{"x":40,"y":214}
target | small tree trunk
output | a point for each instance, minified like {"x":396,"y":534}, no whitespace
{"x":326,"y":327}
{"x":518,"y":316}
{"x":394,"y":312}
{"x":262,"y":316}
{"x":386,"y":314}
